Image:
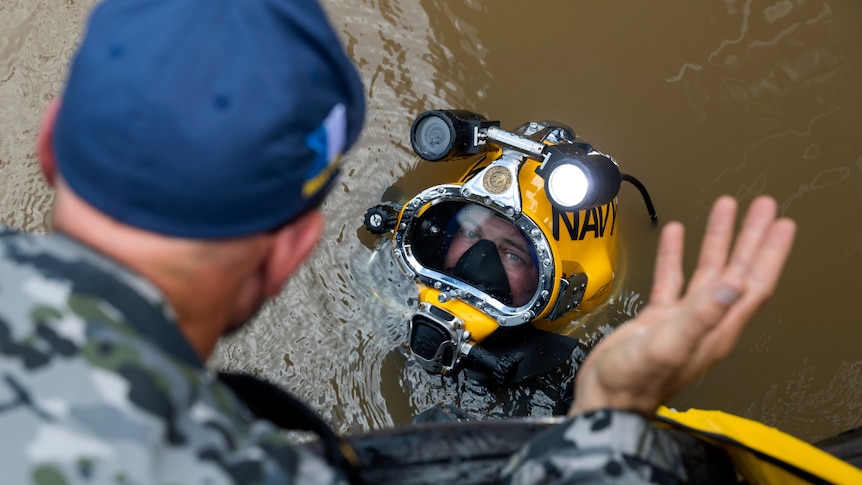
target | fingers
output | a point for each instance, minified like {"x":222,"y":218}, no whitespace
{"x":752,"y":272}
{"x":757,"y":221}
{"x":720,"y":282}
{"x":716,"y":241}
{"x":772,"y":253}
{"x":704,"y":311}
{"x":760,"y":253}
{"x":760,"y":280}
{"x":668,"y":278}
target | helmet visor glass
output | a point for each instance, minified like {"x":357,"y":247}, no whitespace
{"x":479,"y":248}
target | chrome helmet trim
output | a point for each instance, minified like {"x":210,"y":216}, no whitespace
{"x":452,"y":288}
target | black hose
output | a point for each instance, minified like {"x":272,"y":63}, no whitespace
{"x":642,"y":189}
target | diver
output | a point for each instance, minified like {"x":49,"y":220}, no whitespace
{"x":505,"y":257}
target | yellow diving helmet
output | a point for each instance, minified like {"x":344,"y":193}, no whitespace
{"x":524,"y":242}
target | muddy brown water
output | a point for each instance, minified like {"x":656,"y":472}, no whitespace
{"x":695,"y":99}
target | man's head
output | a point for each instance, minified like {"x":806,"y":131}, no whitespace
{"x":193,"y":140}
{"x":206,"y":118}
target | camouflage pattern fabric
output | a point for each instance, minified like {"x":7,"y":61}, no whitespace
{"x":600,"y":447}
{"x":98,"y":385}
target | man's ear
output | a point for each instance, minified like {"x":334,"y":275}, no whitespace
{"x":44,"y":142}
{"x":291,"y":245}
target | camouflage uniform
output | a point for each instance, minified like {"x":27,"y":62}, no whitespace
{"x":98,"y":385}
{"x":600,"y":447}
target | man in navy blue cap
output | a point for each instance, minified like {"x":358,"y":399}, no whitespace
{"x":189,"y":150}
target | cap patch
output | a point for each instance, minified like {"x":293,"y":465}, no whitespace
{"x":327,"y":142}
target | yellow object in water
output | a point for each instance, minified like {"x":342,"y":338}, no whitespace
{"x":761,"y":454}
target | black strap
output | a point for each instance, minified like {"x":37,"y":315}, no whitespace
{"x":272,"y":403}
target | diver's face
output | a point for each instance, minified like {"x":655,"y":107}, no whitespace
{"x":477,"y":224}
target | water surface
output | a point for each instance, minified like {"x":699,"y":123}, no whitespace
{"x":695,"y":99}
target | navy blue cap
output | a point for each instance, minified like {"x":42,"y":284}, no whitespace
{"x":207,"y":118}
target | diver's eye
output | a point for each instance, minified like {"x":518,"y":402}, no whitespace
{"x":470,"y":233}
{"x":514,"y":257}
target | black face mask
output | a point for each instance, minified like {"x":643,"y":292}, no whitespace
{"x":481,"y":267}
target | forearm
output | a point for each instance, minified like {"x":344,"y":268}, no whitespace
{"x":605,"y":446}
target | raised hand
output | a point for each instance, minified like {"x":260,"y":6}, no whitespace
{"x":677,"y":337}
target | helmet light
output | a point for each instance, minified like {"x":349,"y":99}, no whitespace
{"x":568,"y":185}
{"x":575,"y":180}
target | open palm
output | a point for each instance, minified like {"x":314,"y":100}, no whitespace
{"x":679,"y":335}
